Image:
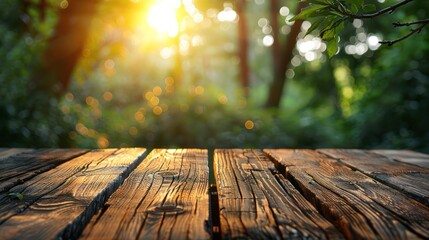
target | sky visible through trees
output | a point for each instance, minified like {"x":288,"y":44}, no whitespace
{"x":205,"y":73}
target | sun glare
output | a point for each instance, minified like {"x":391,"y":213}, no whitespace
{"x":162,"y":17}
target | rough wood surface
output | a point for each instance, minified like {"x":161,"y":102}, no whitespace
{"x":58,"y":203}
{"x":279,"y":194}
{"x":357,"y":204}
{"x":19,"y":165}
{"x":409,"y":178}
{"x":8,"y":152}
{"x":166,"y":197}
{"x":406,"y":156}
{"x":255,"y":204}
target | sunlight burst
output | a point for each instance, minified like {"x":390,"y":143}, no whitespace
{"x":162,"y":17}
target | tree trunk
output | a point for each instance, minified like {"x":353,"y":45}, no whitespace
{"x":276,"y":53}
{"x":243,"y":45}
{"x":65,"y":47}
{"x":178,"y":66}
{"x":281,"y":56}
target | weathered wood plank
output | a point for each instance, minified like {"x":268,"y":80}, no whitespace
{"x":255,"y":204}
{"x":357,"y":204}
{"x":58,"y":203}
{"x":8,"y":152}
{"x":165,"y":197}
{"x":409,"y":178}
{"x":19,"y":165}
{"x":406,"y":156}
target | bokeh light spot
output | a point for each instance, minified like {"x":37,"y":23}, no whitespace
{"x":64,"y":4}
{"x":199,"y":90}
{"x":139,"y":116}
{"x":157,"y":110}
{"x":107,"y":96}
{"x":157,"y":90}
{"x":249,"y":124}
{"x":268,"y":40}
{"x":133,"y":131}
{"x":223,"y":99}
{"x":102,"y":142}
{"x":69,"y":96}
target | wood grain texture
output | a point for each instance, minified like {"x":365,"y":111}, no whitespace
{"x":408,"y":178}
{"x":19,"y":165}
{"x":257,"y":204}
{"x":58,"y":203}
{"x":407,"y":156}
{"x":357,"y":204}
{"x":166,"y":197}
{"x":8,"y":152}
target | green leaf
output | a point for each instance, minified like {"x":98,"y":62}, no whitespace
{"x":332,"y":31}
{"x":354,"y":8}
{"x":336,"y":13}
{"x":339,"y":27}
{"x":307,"y":12}
{"x":16,"y":195}
{"x":328,"y":22}
{"x":328,"y":34}
{"x":341,"y":6}
{"x":321,"y":2}
{"x":332,"y":47}
{"x":314,"y":25}
{"x":359,"y":2}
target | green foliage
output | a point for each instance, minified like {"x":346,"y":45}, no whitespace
{"x":393,"y":112}
{"x":325,"y":16}
{"x":194,"y":121}
{"x":27,"y":118}
{"x":122,"y":94}
{"x":329,"y":16}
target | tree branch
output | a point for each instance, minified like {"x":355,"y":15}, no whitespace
{"x":423,"y":21}
{"x":389,"y":9}
{"x":412,"y":32}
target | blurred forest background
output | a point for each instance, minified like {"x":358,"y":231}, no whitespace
{"x":206,"y":73}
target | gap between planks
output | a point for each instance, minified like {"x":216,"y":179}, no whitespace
{"x":254,"y":167}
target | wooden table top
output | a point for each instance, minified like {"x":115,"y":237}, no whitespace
{"x":133,"y":193}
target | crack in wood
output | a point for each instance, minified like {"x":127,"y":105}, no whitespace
{"x":256,"y":194}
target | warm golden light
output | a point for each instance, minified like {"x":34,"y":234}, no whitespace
{"x":133,"y":131}
{"x":223,"y":99}
{"x":157,"y":110}
{"x":162,"y":17}
{"x":249,"y":124}
{"x":107,"y":96}
{"x":199,"y":90}
{"x":102,"y":142}
{"x":139,"y":116}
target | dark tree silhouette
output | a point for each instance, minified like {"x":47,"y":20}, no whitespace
{"x":282,"y":57}
{"x":64,"y":47}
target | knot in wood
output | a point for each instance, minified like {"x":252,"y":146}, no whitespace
{"x":167,"y":210}
{"x":167,"y":174}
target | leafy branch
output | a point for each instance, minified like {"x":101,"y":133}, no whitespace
{"x":389,"y":9}
{"x":329,"y":16}
{"x":421,"y":23}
